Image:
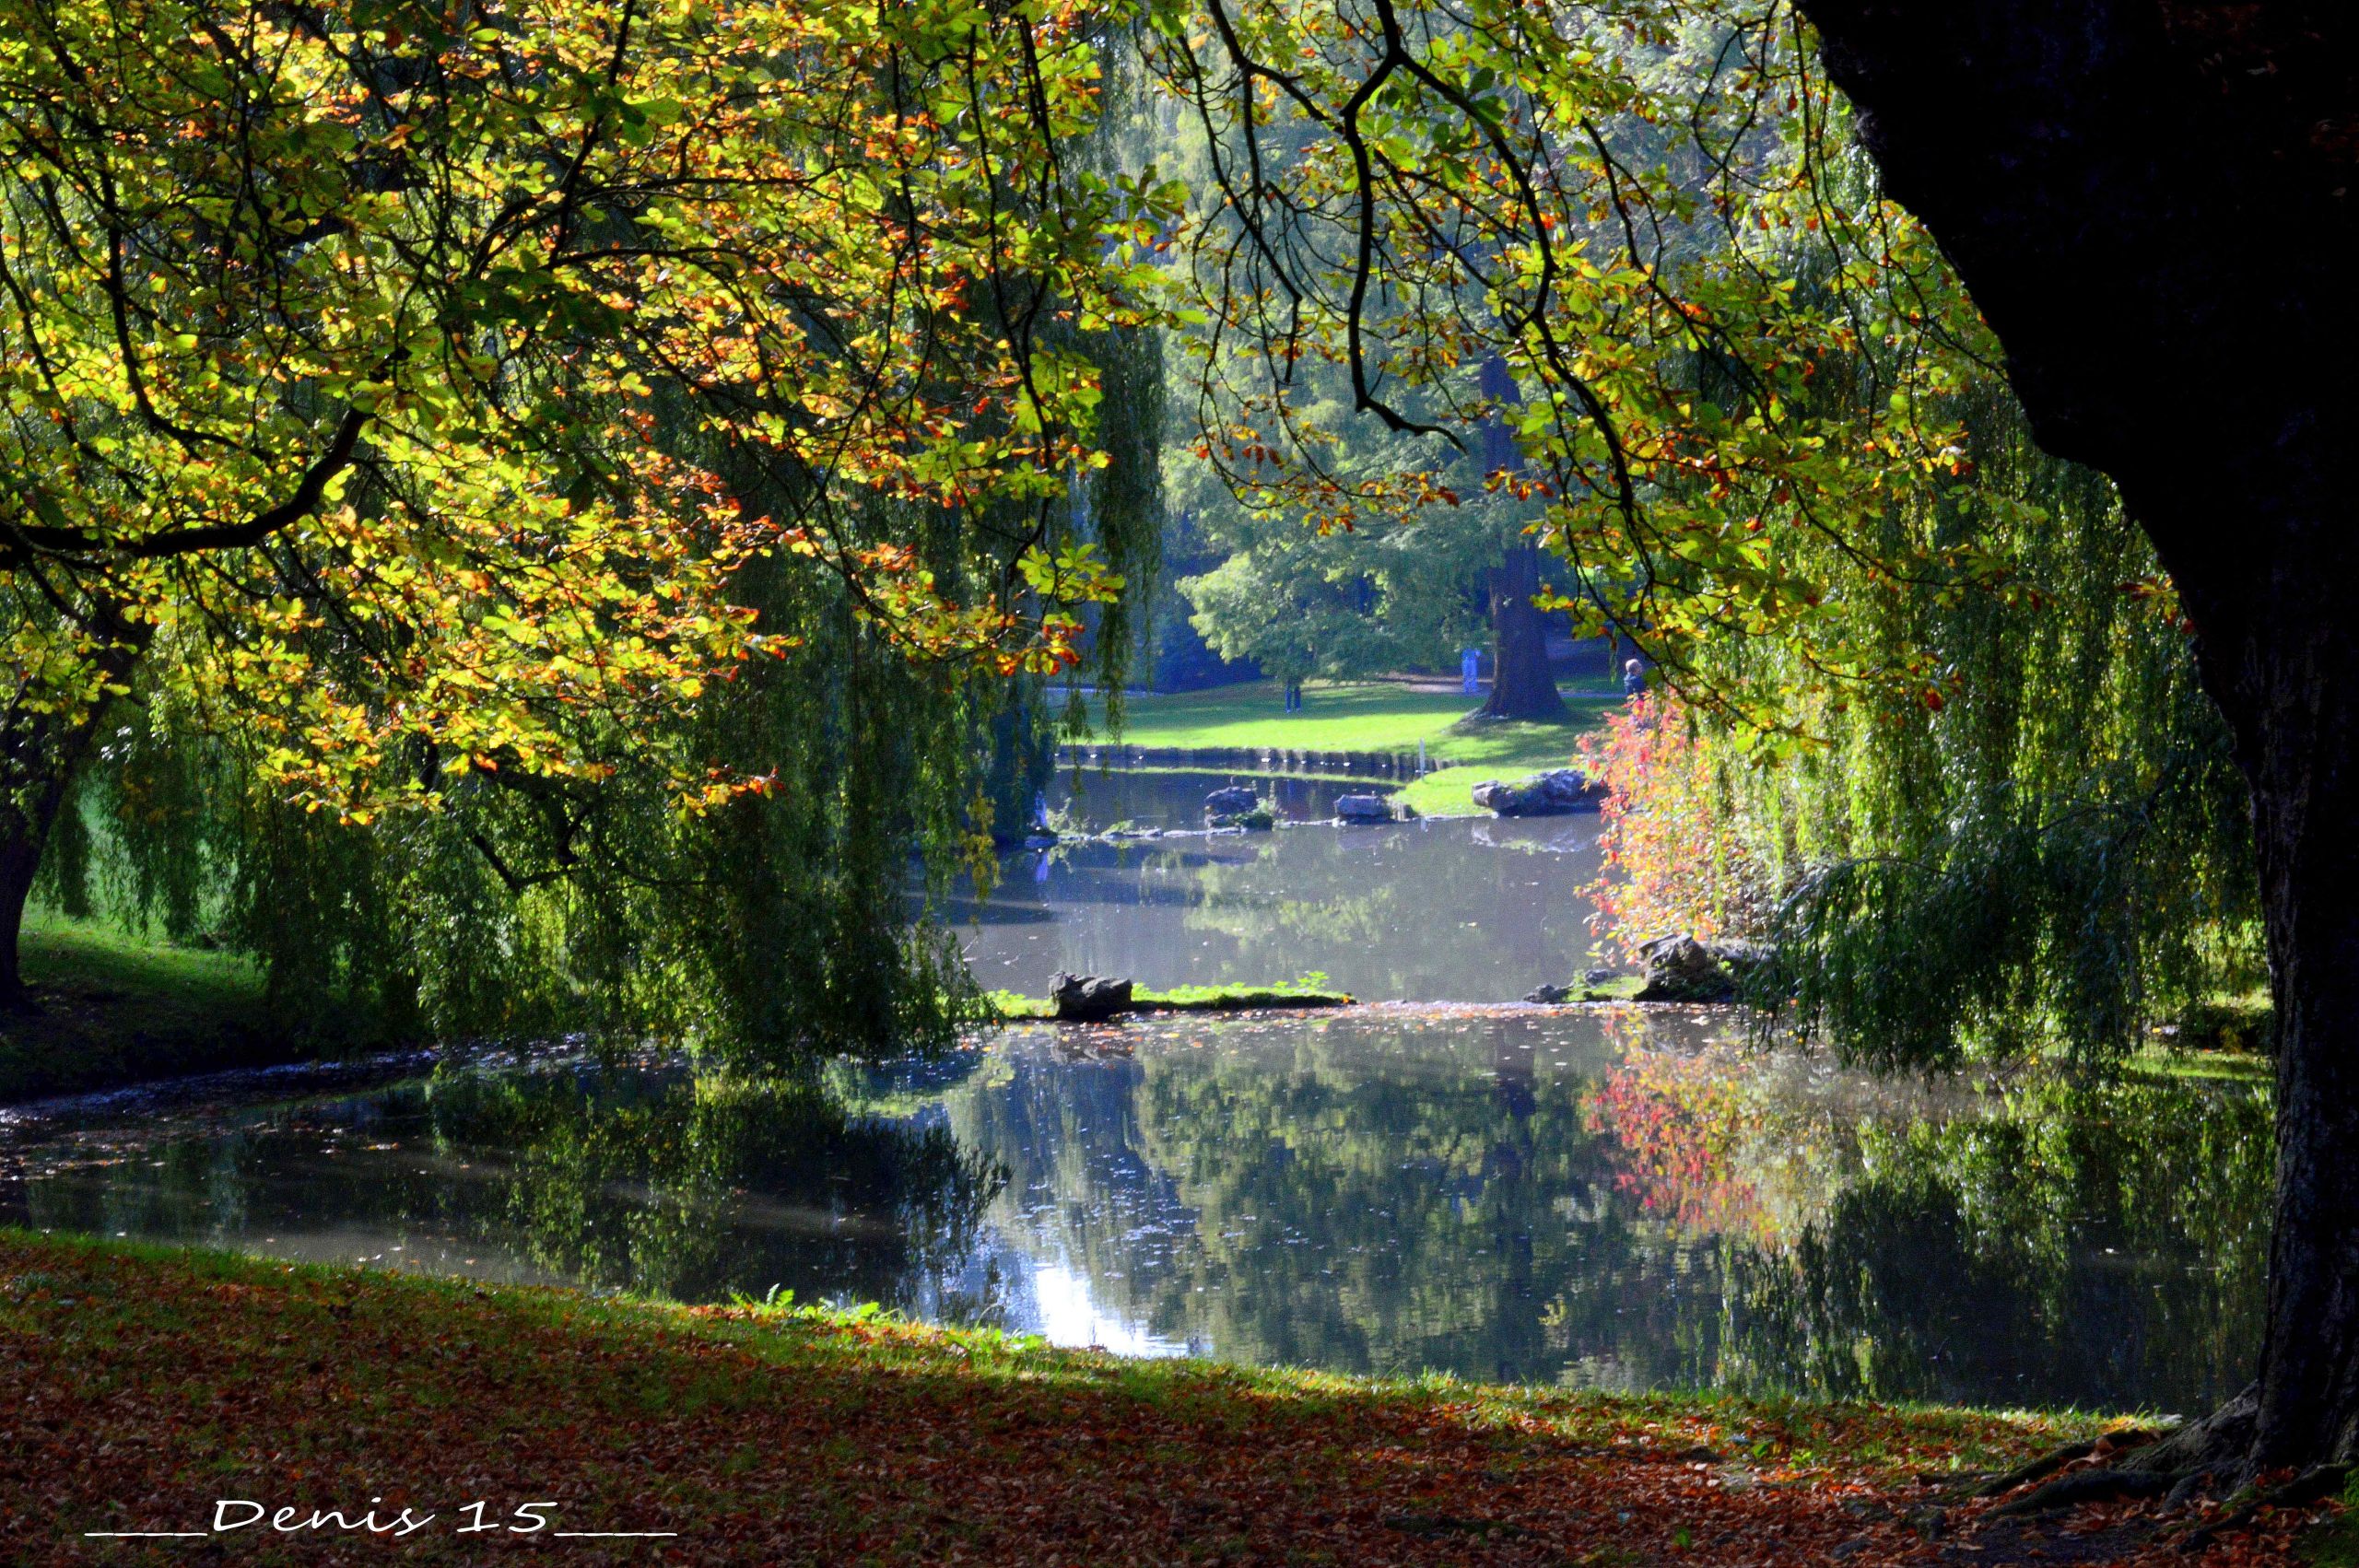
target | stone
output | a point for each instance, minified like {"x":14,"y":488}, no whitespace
{"x":1596,"y":976}
{"x":1363,"y":808}
{"x":1549,"y":996}
{"x":1680,"y":968}
{"x":1231,"y":801}
{"x":1552,"y":793}
{"x":1087,"y":999}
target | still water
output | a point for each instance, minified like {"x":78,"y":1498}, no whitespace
{"x":1600,"y":1198}
{"x":1094,"y":799}
{"x":1463,"y":909}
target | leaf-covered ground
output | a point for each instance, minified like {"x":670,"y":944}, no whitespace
{"x":139,"y":1389}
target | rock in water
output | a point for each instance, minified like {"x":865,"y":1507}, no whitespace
{"x":1363,"y":808}
{"x":1596,"y":976}
{"x":1232,"y":800}
{"x":1552,"y":793}
{"x":1548,"y":996}
{"x":1680,"y":968}
{"x":1086,"y":998}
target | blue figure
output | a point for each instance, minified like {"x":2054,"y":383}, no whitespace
{"x":1469,"y":667}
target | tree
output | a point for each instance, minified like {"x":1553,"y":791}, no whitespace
{"x":1404,"y":591}
{"x":1735,"y":353}
{"x":404,"y":396}
{"x":1523,"y":686}
{"x":1401,"y":593}
{"x":2137,"y":193}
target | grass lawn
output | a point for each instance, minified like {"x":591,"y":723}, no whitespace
{"x":142,"y":1386}
{"x":110,"y":1006}
{"x":1015,"y":1005}
{"x":1375,"y":716}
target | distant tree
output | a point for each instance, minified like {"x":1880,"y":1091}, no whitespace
{"x":1391,"y":593}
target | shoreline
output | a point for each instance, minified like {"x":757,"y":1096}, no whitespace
{"x":820,"y":1436}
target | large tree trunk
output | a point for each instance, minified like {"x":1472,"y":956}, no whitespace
{"x":1521,"y":686}
{"x":41,"y":749}
{"x":19,"y":860}
{"x":2305,"y":818}
{"x":2152,"y":202}
{"x":37,"y":762}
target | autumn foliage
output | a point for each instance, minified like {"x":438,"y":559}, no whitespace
{"x":1669,"y":864}
{"x":404,"y":388}
{"x":1680,"y":1124}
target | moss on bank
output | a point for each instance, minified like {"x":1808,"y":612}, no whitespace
{"x":1015,"y":1006}
{"x":107,"y":1008}
{"x":143,"y":1385}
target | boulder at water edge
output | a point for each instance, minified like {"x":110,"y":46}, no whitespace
{"x":1549,"y":996}
{"x":1231,"y":801}
{"x":1552,"y":793}
{"x":1363,"y":808}
{"x":1086,"y":998}
{"x":1680,"y":968}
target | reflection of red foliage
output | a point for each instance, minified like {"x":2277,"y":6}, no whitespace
{"x":1669,"y":858}
{"x":1680,"y":1122}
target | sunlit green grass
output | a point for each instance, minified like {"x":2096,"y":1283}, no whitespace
{"x":111,"y":1006}
{"x":57,"y":950}
{"x":2165,"y":1064}
{"x":1374,"y":718}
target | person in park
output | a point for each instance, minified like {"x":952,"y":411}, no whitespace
{"x":1634,"y":680}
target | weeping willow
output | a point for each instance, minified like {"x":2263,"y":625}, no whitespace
{"x":774,"y":929}
{"x":2041,"y":842}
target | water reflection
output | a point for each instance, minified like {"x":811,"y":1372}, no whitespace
{"x":647,"y":1177}
{"x":1095,"y":799}
{"x":1457,"y":910}
{"x":1510,"y":1195}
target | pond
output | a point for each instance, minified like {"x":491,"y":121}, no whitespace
{"x":1095,"y":799}
{"x":1452,"y":909}
{"x":1600,"y":1199}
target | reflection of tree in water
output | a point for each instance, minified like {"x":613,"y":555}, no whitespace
{"x":1258,"y":904}
{"x":1447,"y":1194}
{"x":656,"y":1180}
{"x":695,"y":1186}
{"x":1315,"y":892}
{"x":1499,"y":1195}
{"x":1277,"y":1194}
{"x":2105,"y":1247}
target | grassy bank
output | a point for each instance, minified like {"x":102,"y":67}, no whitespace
{"x":1364,"y":717}
{"x":1192,"y":999}
{"x":110,"y":1008}
{"x":142,"y":1386}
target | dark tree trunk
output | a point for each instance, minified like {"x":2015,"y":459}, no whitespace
{"x":20,"y":860}
{"x":1521,"y":687}
{"x":34,"y":787}
{"x":2152,"y":201}
{"x":40,"y":752}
